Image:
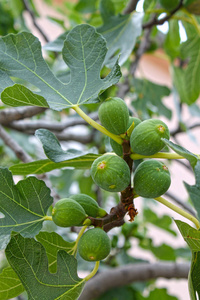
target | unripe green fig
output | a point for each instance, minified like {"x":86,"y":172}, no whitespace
{"x":169,"y":4}
{"x":117,"y":148}
{"x":114,"y":115}
{"x":67,"y":212}
{"x":146,"y":137}
{"x":90,"y":206}
{"x":94,"y":245}
{"x":135,"y":120}
{"x":111,"y":173}
{"x":151,"y":179}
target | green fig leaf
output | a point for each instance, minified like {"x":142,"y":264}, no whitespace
{"x":84,"y":52}
{"x":23,"y":205}
{"x":53,"y":149}
{"x":194,"y":190}
{"x":120,"y":32}
{"x":191,"y":157}
{"x":11,"y":285}
{"x":148,"y":99}
{"x":29,"y":260}
{"x":53,"y":242}
{"x":189,"y":79}
{"x":192,"y":238}
{"x":46,"y":165}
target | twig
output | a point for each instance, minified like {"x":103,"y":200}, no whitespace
{"x":9,"y":115}
{"x":26,"y":5}
{"x":132,"y":273}
{"x":156,"y":21}
{"x":17,"y":149}
{"x":131,"y":6}
{"x":37,"y":124}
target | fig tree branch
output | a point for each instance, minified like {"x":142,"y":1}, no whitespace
{"x":12,"y":144}
{"x":31,"y":13}
{"x":9,"y":115}
{"x":155,"y":21}
{"x":9,"y":118}
{"x":128,"y":274}
{"x":131,"y":6}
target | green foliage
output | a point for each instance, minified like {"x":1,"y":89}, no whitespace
{"x":46,"y":165}
{"x":192,"y":238}
{"x":23,"y":205}
{"x":11,"y":285}
{"x":189,"y":77}
{"x":53,"y":242}
{"x":168,"y":4}
{"x":57,"y":95}
{"x":31,"y":265}
{"x":148,"y":99}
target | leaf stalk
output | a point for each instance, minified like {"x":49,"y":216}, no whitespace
{"x":179,"y":211}
{"x":99,"y":127}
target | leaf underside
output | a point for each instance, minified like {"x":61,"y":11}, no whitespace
{"x":84,"y":52}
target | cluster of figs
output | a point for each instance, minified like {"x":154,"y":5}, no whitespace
{"x":111,"y":172}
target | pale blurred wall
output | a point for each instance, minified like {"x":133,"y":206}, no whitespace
{"x":154,"y":67}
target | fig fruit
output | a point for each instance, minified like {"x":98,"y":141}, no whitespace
{"x":146,"y":137}
{"x":94,"y":245}
{"x":135,"y":120}
{"x":114,"y":115}
{"x":151,"y":179}
{"x":67,"y":212}
{"x":117,"y":148}
{"x":111,"y":173}
{"x":89,"y":205}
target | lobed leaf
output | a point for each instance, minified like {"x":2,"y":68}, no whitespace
{"x":194,"y":190}
{"x":23,"y":205}
{"x":29,"y":260}
{"x":53,"y":242}
{"x":120,"y":32}
{"x":148,"y":99}
{"x":84,"y":52}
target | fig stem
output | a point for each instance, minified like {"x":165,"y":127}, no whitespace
{"x":48,"y":218}
{"x":94,"y":271}
{"x":165,"y":155}
{"x":81,"y":232}
{"x":99,"y":127}
{"x":178,"y":210}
